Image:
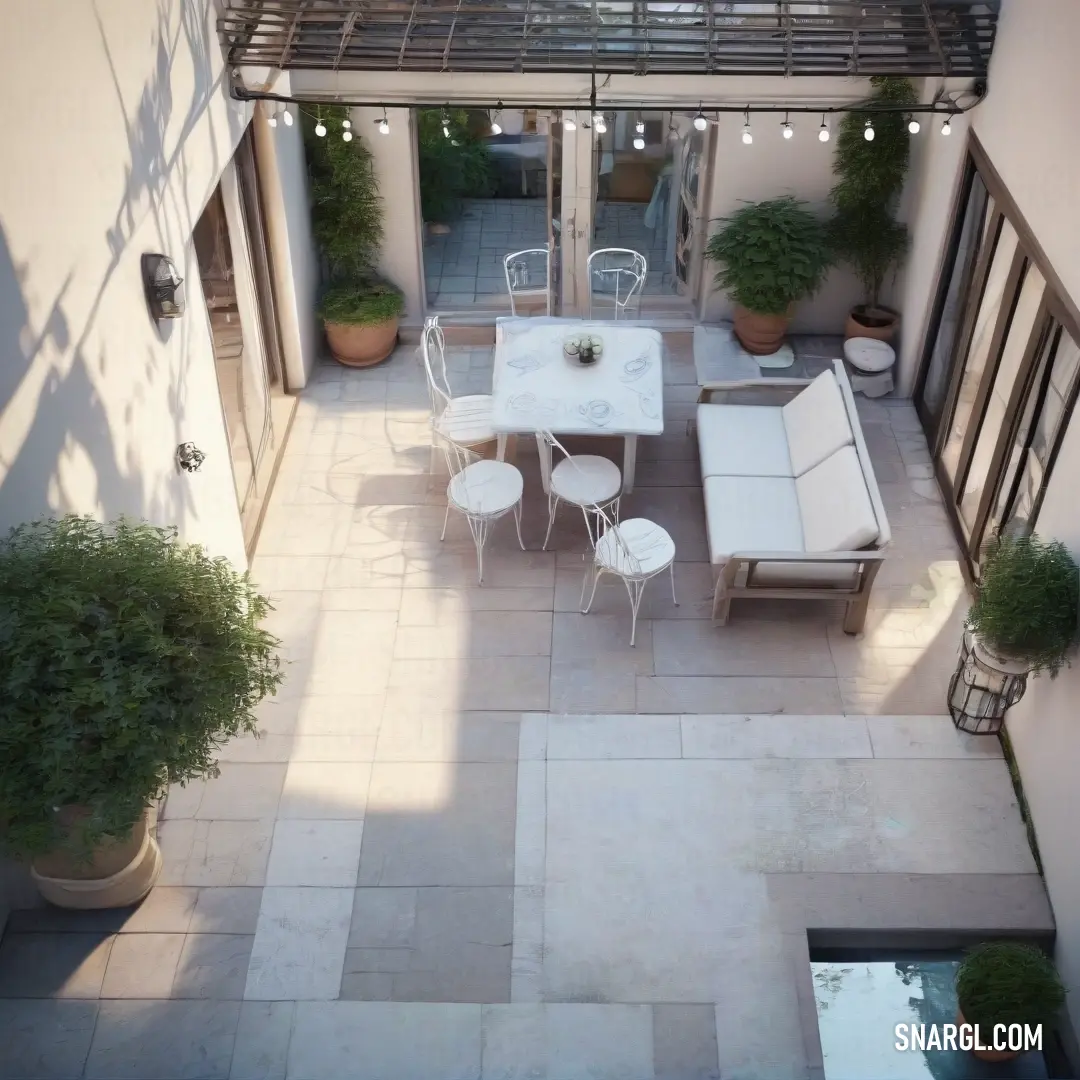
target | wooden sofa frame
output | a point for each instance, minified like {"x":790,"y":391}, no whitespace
{"x":864,"y":563}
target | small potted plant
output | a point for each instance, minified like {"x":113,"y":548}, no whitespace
{"x":1006,"y":982}
{"x":360,"y":310}
{"x":771,"y":255}
{"x":126,"y":659}
{"x":864,"y":232}
{"x":1024,"y":618}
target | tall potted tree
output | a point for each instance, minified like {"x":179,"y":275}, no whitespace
{"x":126,"y":659}
{"x":1024,"y":618}
{"x":360,"y":310}
{"x":864,"y":232}
{"x":771,"y":255}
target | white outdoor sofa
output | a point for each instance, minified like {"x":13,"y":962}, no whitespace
{"x":792,"y":507}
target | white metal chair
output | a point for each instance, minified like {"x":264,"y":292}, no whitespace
{"x":634,"y":550}
{"x":528,"y":275}
{"x":587,"y":481}
{"x":617,"y":278}
{"x":482,"y":491}
{"x":464,"y":420}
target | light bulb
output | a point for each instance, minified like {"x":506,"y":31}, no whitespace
{"x":913,"y":126}
{"x":601,"y":125}
{"x":346,"y":124}
{"x":320,"y":129}
{"x":496,"y":127}
{"x":384,"y":126}
{"x":700,"y":122}
{"x":823,"y":133}
{"x":569,"y":123}
{"x":347,"y":136}
{"x":287,"y":117}
{"x":868,"y":132}
{"x":789,"y":131}
{"x":946,"y":128}
{"x":639,"y":143}
{"x":747,"y":135}
{"x":446,"y":131}
{"x":272,"y":119}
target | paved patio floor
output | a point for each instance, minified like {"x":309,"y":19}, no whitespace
{"x":481,"y":836}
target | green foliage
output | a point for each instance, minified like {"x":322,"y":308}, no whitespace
{"x":346,"y":209}
{"x":126,"y":659}
{"x":450,"y":169}
{"x":870,"y":177}
{"x":366,"y":301}
{"x":1026,"y":603}
{"x":1005,"y":982}
{"x":771,"y":254}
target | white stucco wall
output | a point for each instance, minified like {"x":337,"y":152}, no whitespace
{"x":1026,"y":126}
{"x":116,"y":126}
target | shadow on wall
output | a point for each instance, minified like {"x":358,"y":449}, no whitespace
{"x":61,"y":449}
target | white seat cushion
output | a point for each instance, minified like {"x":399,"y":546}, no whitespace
{"x":586,"y":479}
{"x":742,"y":440}
{"x":816,"y":423}
{"x":485,"y":487}
{"x":467,"y":420}
{"x":751,"y":513}
{"x":835,"y":506}
{"x":636,"y":547}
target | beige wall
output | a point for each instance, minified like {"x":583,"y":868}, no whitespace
{"x":116,"y":126}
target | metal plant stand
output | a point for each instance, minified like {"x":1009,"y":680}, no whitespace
{"x":980,"y":694}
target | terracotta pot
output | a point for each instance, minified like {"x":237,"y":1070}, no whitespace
{"x":361,"y":346}
{"x":986,"y":1055}
{"x":760,"y":335}
{"x":120,"y":872}
{"x":437,"y":228}
{"x":880,"y":323}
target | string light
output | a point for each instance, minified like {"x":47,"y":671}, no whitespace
{"x":347,"y":135}
{"x":383,"y":124}
{"x":446,"y":122}
{"x":599,"y":123}
{"x":823,"y":131}
{"x":868,"y":131}
{"x":320,"y":127}
{"x":788,"y":130}
{"x":747,"y":134}
{"x":496,"y":127}
{"x":946,"y":127}
{"x":569,"y":123}
{"x":287,"y":116}
{"x":271,"y":118}
{"x":639,"y":127}
{"x":700,"y":121}
{"x":913,"y":125}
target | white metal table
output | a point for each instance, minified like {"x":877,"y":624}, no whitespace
{"x":537,"y":388}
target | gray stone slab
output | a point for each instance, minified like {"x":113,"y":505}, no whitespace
{"x":430,"y":824}
{"x":367,"y":986}
{"x":739,"y":694}
{"x":64,"y":965}
{"x":926,"y":737}
{"x":369,"y":1040}
{"x":684,"y":1042}
{"x":163,"y":1040}
{"x":166,"y":910}
{"x":613,"y":736}
{"x":383,"y":918}
{"x":744,"y":736}
{"x":142,"y":966}
{"x":261,"y":1049}
{"x":45,"y":1040}
{"x":243,"y":792}
{"x":457,"y":736}
{"x":213,"y":966}
{"x":226,"y":910}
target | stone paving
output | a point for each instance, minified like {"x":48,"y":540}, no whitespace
{"x":483,"y":837}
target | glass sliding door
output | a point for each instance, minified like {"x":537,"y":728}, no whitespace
{"x":1001,"y":367}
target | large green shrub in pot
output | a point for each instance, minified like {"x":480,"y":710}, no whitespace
{"x":1007,"y":982}
{"x":361,"y":302}
{"x":1027,"y":601}
{"x":451,"y":168}
{"x":771,"y":254}
{"x":126,"y":659}
{"x":864,"y":231}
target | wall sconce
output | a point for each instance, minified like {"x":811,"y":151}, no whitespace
{"x":164,"y":296}
{"x":189,"y":457}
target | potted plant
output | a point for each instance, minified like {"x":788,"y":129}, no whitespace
{"x":126,"y":659}
{"x":864,"y":232}
{"x":453,"y":163}
{"x":1006,"y":982}
{"x":1024,"y":618}
{"x":360,"y":310}
{"x":772,"y":254}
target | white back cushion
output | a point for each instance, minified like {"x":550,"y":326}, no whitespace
{"x":816,"y":423}
{"x":834,"y":505}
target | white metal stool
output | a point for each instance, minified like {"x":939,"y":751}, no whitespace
{"x":871,"y":362}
